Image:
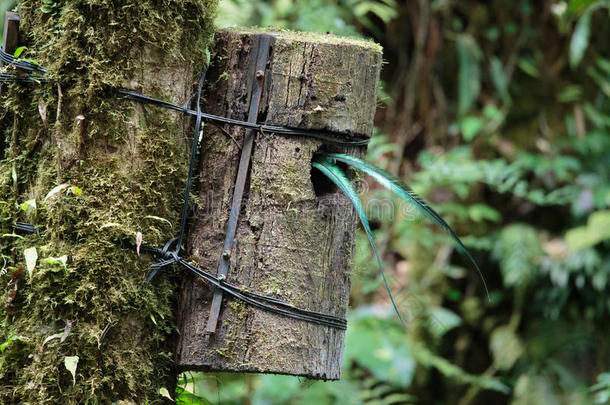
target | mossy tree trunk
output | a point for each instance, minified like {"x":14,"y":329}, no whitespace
{"x":295,"y":235}
{"x":129,"y":160}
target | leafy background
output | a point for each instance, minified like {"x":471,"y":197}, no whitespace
{"x":498,"y":113}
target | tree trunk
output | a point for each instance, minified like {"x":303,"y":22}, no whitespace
{"x":130,"y":161}
{"x":295,"y":235}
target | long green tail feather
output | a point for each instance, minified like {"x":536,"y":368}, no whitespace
{"x":338,"y":177}
{"x":402,"y":190}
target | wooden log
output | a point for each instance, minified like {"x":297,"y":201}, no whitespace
{"x":295,"y":234}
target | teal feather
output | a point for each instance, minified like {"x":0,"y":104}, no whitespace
{"x":402,"y":190}
{"x":337,"y":176}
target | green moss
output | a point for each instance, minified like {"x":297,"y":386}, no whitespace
{"x":239,"y":311}
{"x":130,"y":178}
{"x":312,"y":37}
{"x":283,"y":191}
{"x":223,"y":76}
{"x":278,"y":285}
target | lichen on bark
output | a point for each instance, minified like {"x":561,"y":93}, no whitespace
{"x":129,"y":161}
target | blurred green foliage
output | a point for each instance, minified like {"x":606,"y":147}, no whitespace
{"x":499,"y":114}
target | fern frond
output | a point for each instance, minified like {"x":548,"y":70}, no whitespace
{"x":403,"y":191}
{"x":336,"y":175}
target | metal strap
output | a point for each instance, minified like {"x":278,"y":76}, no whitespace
{"x":10,"y":39}
{"x":261,"y":53}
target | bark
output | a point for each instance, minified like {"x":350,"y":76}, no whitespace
{"x":129,"y":160}
{"x":295,"y":235}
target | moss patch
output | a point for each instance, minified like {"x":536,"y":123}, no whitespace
{"x":312,"y":37}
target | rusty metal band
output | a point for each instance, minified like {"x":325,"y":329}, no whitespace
{"x":261,"y":53}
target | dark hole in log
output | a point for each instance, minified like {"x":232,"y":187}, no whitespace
{"x":322,"y":185}
{"x":262,"y":115}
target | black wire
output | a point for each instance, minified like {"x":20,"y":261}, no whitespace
{"x":275,"y":129}
{"x":7,"y":77}
{"x":264,"y":302}
{"x":9,"y":59}
{"x":24,"y":227}
{"x":193,"y":160}
{"x":333,"y":137}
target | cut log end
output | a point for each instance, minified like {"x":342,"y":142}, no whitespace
{"x":294,"y":239}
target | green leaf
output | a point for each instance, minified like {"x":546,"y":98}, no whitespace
{"x":570,"y":94}
{"x":403,"y":191}
{"x":518,"y":250}
{"x":479,"y":212}
{"x":603,"y":381}
{"x":30,"y":61}
{"x":596,"y":116}
{"x":442,"y":321}
{"x":31,"y":256}
{"x":278,"y":388}
{"x":76,"y":191}
{"x":599,"y":223}
{"x":11,"y":339}
{"x":164,"y":392}
{"x":505,"y":347}
{"x":56,"y":190}
{"x":580,"y":39}
{"x":71,"y":362}
{"x":492,"y":112}
{"x":469,"y":80}
{"x":496,"y":69}
{"x":63,"y":260}
{"x":597,"y":230}
{"x":383,"y":12}
{"x":604,"y":64}
{"x":29,"y":205}
{"x":470,"y":126}
{"x":187,"y":398}
{"x":338,"y":177}
{"x":601,"y":79}
{"x":528,"y":65}
{"x":380,"y":347}
{"x":46,"y":9}
{"x":19,"y":51}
